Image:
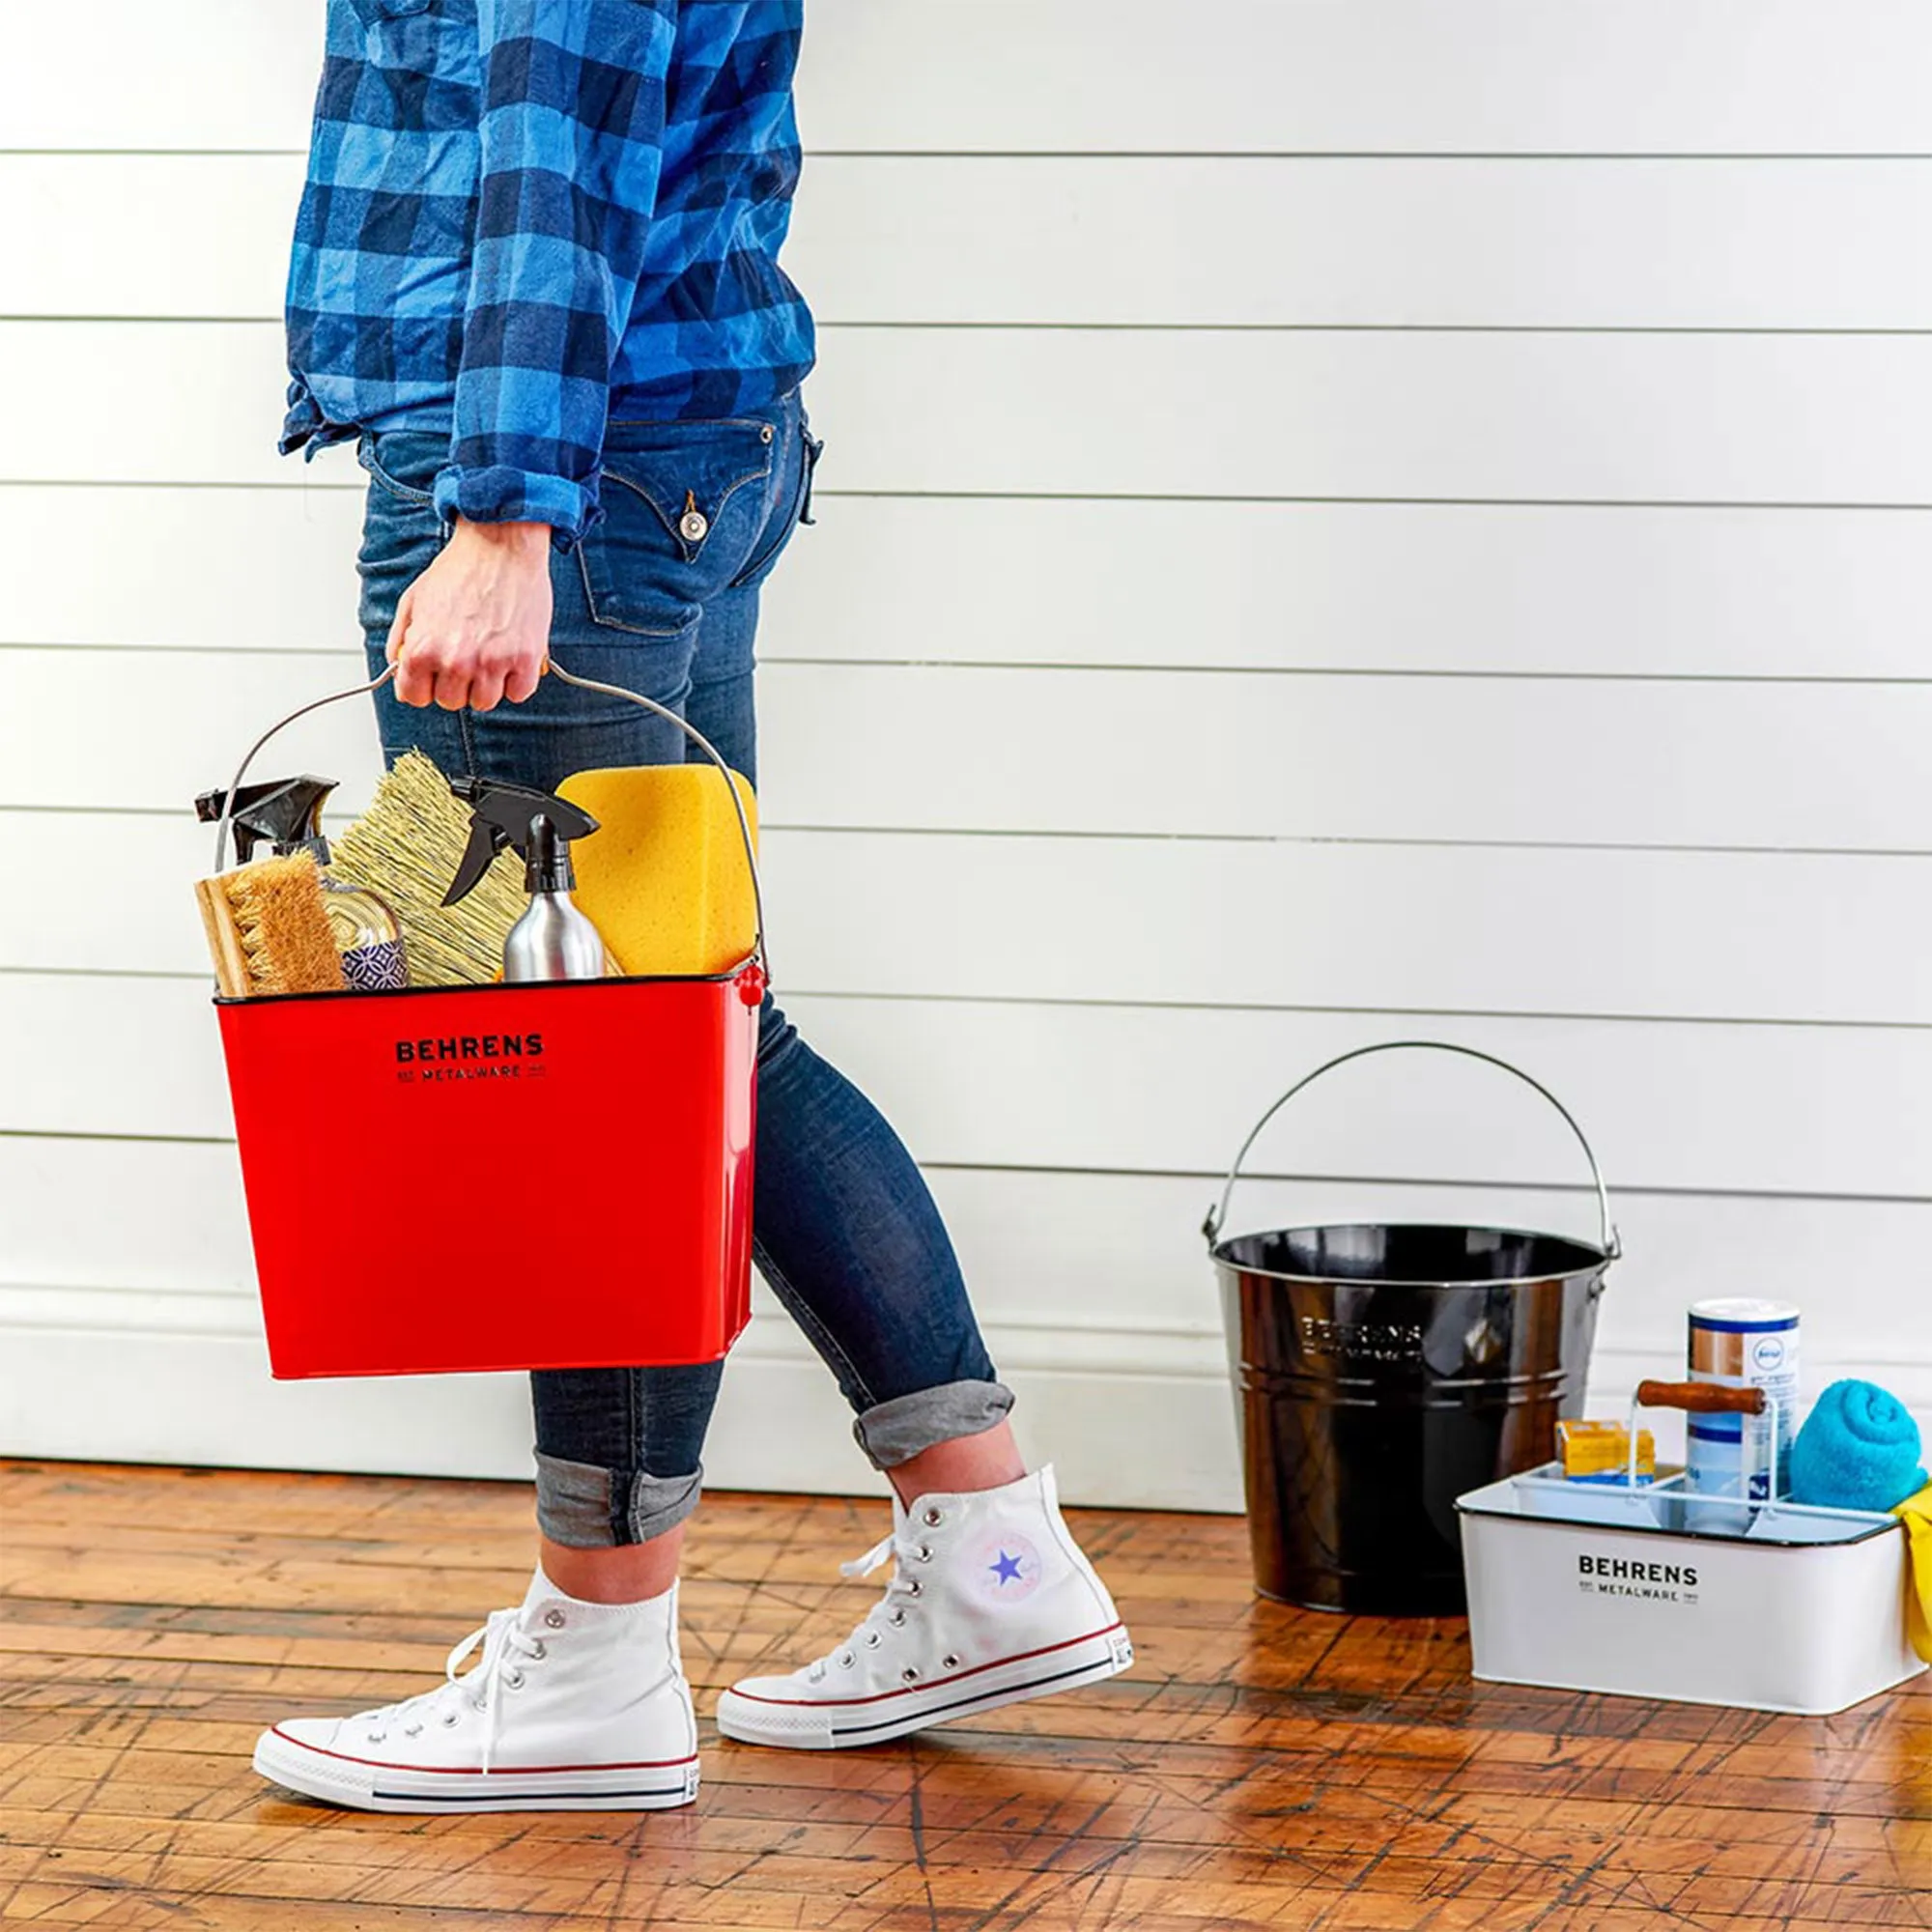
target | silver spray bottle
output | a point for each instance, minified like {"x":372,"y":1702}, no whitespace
{"x":553,"y":940}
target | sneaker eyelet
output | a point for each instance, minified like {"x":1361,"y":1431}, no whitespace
{"x":413,"y":1730}
{"x":925,"y":1552}
{"x":376,"y":1737}
{"x":915,"y":1588}
{"x":449,"y":1718}
{"x":949,"y":1663}
{"x":909,"y":1675}
{"x":846,"y":1661}
{"x":932,"y":1518}
{"x":872,"y":1639}
{"x":514,"y":1679}
{"x":539,"y":1652}
{"x":899,"y":1620}
{"x":554,"y":1618}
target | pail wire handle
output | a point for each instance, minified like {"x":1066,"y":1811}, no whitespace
{"x":241,"y":770}
{"x":555,"y":669}
{"x":1609,"y":1240}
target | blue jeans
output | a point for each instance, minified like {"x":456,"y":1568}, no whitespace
{"x":662,"y":597}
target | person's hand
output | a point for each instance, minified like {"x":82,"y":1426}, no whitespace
{"x":474,"y":628}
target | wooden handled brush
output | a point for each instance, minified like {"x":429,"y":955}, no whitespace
{"x":268,"y":929}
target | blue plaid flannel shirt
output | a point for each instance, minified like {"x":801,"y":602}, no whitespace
{"x":526,"y":218}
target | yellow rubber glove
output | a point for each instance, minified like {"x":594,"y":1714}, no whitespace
{"x":1916,"y":1513}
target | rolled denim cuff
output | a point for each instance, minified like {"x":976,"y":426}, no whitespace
{"x":585,"y":1507}
{"x":891,"y":1433}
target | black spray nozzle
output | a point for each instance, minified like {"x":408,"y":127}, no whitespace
{"x":286,"y":812}
{"x":539,"y":825}
{"x":546,"y":866}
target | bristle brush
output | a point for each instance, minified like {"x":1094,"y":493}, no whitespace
{"x":268,"y":929}
{"x":406,"y":849}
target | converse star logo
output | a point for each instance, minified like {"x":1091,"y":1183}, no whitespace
{"x":1006,"y":1569}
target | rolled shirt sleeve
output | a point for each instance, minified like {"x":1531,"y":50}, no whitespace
{"x":572,"y":152}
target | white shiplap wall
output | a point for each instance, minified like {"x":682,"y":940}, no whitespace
{"x":1341,"y":520}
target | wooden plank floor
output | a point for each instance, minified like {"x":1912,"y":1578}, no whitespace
{"x":1259,"y":1767}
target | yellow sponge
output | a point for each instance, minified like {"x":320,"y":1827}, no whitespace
{"x":664,"y":878}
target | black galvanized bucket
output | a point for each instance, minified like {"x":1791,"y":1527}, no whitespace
{"x":1383,"y":1369}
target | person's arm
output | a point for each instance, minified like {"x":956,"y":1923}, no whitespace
{"x":572,"y":130}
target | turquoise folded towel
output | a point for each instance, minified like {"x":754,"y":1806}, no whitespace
{"x":1858,"y":1449}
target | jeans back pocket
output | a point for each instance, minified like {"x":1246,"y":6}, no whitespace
{"x":685,"y":506}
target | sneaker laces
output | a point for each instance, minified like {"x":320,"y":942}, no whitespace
{"x":505,"y":1643}
{"x":888,"y":1613}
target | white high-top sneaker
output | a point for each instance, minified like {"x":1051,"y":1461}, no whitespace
{"x":571,"y":1706}
{"x":991,"y":1601}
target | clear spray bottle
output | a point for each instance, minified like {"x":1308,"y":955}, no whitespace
{"x":288,"y":813}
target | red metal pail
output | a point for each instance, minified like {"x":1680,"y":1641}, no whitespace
{"x":554,"y":1175}
{"x":540,"y":1176}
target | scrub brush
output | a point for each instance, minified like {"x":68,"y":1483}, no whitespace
{"x":269,"y":930}
{"x":406,"y":849}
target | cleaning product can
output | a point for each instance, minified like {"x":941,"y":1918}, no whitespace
{"x":1742,"y":1342}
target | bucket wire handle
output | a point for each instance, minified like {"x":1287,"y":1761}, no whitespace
{"x":759,"y":952}
{"x":1609,"y":1240}
{"x":711,"y":751}
{"x":241,"y":770}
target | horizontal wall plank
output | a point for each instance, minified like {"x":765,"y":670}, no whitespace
{"x":1465,"y":243}
{"x":1163,"y":1349}
{"x":1123,"y":1251}
{"x":1494,"y":75}
{"x":178,"y":1225}
{"x":1714,"y":1108}
{"x":1511,"y":75}
{"x":1434,"y":587}
{"x":240,"y":570}
{"x":1643,"y":933}
{"x":1228,"y":755}
{"x":1149,"y":1441}
{"x":1384,"y":929}
{"x":145,"y":234}
{"x":1002,"y":238}
{"x":1548,"y":417}
{"x":1151,"y":753}
{"x":150,"y":72}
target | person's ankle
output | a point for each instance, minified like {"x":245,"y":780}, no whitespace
{"x":630,"y":1572}
{"x":967,"y":1463}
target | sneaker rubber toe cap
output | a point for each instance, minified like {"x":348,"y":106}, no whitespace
{"x":773,"y":1709}
{"x":323,"y":1734}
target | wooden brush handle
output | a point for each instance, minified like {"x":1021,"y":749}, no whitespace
{"x":1701,"y":1398}
{"x":224,"y":943}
